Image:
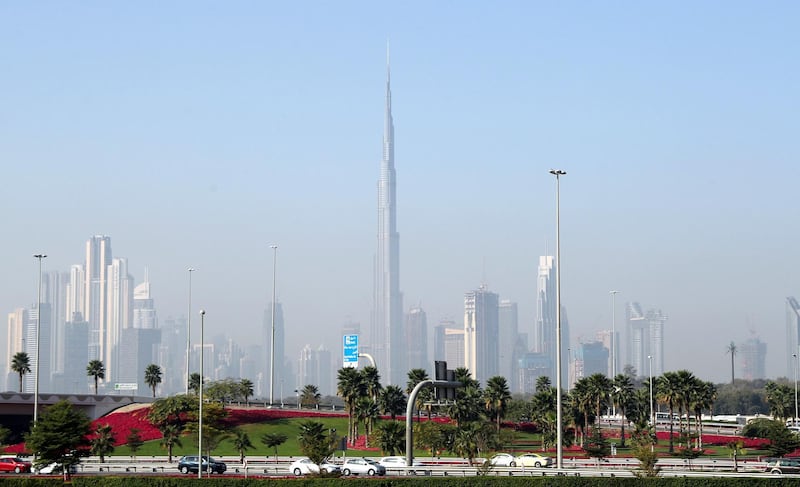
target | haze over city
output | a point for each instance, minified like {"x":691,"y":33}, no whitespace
{"x":197,"y":134}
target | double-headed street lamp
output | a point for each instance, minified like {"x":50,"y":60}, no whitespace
{"x":38,"y":339}
{"x":559,"y":427}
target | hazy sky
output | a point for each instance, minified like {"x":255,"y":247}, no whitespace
{"x":199,"y":133}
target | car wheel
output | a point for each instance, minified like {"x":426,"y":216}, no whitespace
{"x":346,"y":471}
{"x":371,"y":472}
{"x":512,"y":464}
{"x":297,"y":472}
{"x":776,"y":471}
{"x":17,"y":470}
{"x":184,"y":470}
{"x":537,"y":464}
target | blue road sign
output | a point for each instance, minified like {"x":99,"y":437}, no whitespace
{"x":350,"y":350}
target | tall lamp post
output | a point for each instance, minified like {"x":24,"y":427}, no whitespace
{"x":652,"y":413}
{"x":38,"y":339}
{"x":200,"y":416}
{"x":794,"y":421}
{"x":272,"y":339}
{"x":559,"y":427}
{"x":188,"y":332}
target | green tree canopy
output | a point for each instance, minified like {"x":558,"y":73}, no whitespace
{"x":103,"y":441}
{"x":59,"y":435}
{"x":21,"y":364}
{"x":152,"y":377}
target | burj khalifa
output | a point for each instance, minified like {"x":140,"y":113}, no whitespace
{"x":387,"y":322}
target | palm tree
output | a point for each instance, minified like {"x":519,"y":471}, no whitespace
{"x":274,"y":440}
{"x":415,"y":376}
{"x":703,"y":398}
{"x":598,"y":387}
{"x":668,"y":390}
{"x":103,"y":442}
{"x":686,"y":382}
{"x":309,"y":395}
{"x":496,"y":398}
{"x":21,"y":364}
{"x":621,"y":396}
{"x":582,"y":404}
{"x":170,"y":437}
{"x":366,"y":411}
{"x":97,"y":370}
{"x":465,"y":442}
{"x":350,"y":387}
{"x":152,"y":377}
{"x":241,"y":442}
{"x":467,"y":406}
{"x":393,"y":401}
{"x":194,"y":382}
{"x":731,"y":349}
{"x":392,"y":437}
{"x":247,"y":389}
{"x":372,"y":381}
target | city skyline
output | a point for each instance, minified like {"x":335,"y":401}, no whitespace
{"x":675,"y":124}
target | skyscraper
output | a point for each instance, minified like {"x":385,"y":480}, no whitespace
{"x":387,"y":321}
{"x":645,"y":338}
{"x":507,"y":339}
{"x":98,"y":258}
{"x":545,"y":328}
{"x":752,"y":356}
{"x":481,"y":327}
{"x":417,"y":340}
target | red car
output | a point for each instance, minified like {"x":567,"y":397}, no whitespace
{"x":14,"y":465}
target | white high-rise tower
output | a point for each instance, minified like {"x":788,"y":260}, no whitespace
{"x":387,"y":321}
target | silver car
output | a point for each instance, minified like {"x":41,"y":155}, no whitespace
{"x":362,"y":466}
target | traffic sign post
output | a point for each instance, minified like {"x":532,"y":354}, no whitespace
{"x":350,"y":351}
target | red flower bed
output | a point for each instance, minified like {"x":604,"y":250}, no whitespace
{"x":122,"y":424}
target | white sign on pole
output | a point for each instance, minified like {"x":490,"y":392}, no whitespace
{"x":350,"y":351}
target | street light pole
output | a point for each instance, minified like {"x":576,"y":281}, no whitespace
{"x":272,"y":340}
{"x":38,"y":339}
{"x":200,"y":417}
{"x":613,"y":334}
{"x":794,"y":421}
{"x":652,"y":414}
{"x":559,"y":427}
{"x":188,"y":332}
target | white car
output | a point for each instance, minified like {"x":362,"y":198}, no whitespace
{"x":534,"y":460}
{"x":503,"y":460}
{"x":360,"y":465}
{"x":304,"y":466}
{"x":397,"y":462}
{"x":53,"y":468}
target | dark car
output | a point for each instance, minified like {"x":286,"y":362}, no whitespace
{"x":781,"y":466}
{"x":16,"y":465}
{"x":188,"y":464}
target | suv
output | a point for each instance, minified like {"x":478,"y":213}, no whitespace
{"x":188,"y":464}
{"x":365,"y":466}
{"x":781,"y":466}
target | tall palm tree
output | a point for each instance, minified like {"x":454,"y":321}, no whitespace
{"x":415,"y":376}
{"x":372,"y":381}
{"x":703,"y":397}
{"x":350,"y":387}
{"x":103,"y":442}
{"x":496,"y":397}
{"x":241,"y":442}
{"x":170,"y":437}
{"x":731,"y":349}
{"x":582,"y":403}
{"x":366,"y":411}
{"x":669,"y":392}
{"x":393,"y":401}
{"x":194,"y":382}
{"x":622,"y":396}
{"x":21,"y":364}
{"x":687,"y":382}
{"x":598,"y":388}
{"x":97,"y":370}
{"x":247,"y":388}
{"x":152,"y":377}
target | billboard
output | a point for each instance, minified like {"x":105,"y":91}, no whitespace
{"x":350,"y":351}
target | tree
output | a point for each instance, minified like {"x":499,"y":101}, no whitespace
{"x":315,"y":442}
{"x":274,"y":440}
{"x":781,"y":439}
{"x":597,"y":445}
{"x":367,"y":411}
{"x":194,"y":383}
{"x":170,"y":437}
{"x":21,"y":364}
{"x":393,"y":401}
{"x":170,"y":415}
{"x":668,"y":390}
{"x":780,"y":398}
{"x":241,"y":442}
{"x":134,"y":441}
{"x":350,"y":387}
{"x":598,"y":388}
{"x":731,"y":349}
{"x":372,"y":381}
{"x":247,"y":389}
{"x":496,"y":397}
{"x":465,"y":442}
{"x":622,"y":396}
{"x":309,"y":395}
{"x":96,"y":370}
{"x":103,"y":442}
{"x":58,"y":434}
{"x":152,"y":377}
{"x":391,"y":436}
{"x":467,"y":406}
{"x":415,"y":376}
